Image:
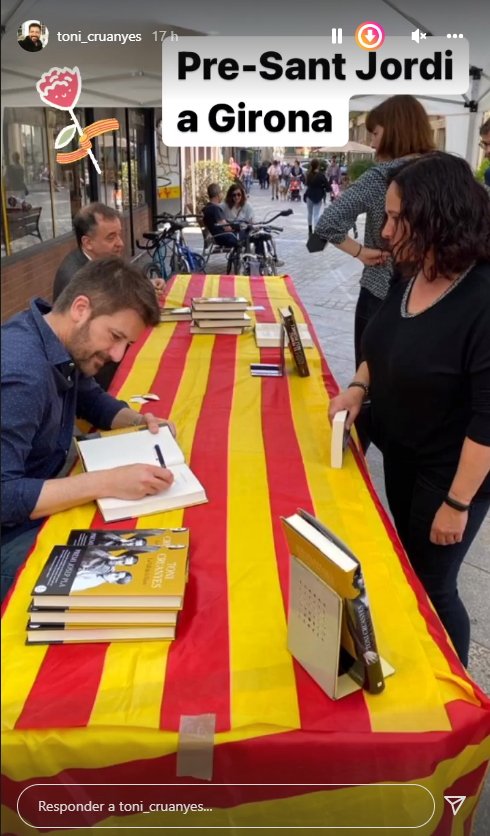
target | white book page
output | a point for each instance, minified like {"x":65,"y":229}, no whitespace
{"x":185,"y":490}
{"x":271,"y":332}
{"x":130,"y":448}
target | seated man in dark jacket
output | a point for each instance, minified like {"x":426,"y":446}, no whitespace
{"x":215,"y":221}
{"x":98,"y":231}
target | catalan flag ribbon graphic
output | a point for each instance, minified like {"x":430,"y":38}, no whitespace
{"x":61,"y":88}
{"x":77,"y":718}
{"x":103,"y":126}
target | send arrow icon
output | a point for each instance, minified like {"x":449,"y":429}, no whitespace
{"x":456,"y":802}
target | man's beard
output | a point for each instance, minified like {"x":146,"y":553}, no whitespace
{"x":88,"y":362}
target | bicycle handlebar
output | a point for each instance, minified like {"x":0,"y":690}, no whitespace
{"x":167,"y":216}
{"x":153,"y":239}
{"x":283,"y":214}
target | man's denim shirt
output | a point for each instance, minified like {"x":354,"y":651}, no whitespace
{"x":42,"y":392}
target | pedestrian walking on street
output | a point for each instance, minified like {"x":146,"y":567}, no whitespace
{"x":247,"y":176}
{"x":274,"y":173}
{"x":316,"y":189}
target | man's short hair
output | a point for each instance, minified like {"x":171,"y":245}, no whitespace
{"x":213,"y":190}
{"x":111,"y":285}
{"x":34,"y":26}
{"x":485,"y":128}
{"x":86,"y":218}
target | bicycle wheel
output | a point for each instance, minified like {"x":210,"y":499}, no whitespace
{"x":151,"y":271}
{"x":271,"y":267}
{"x":234,"y":264}
{"x":182,"y":265}
{"x":268,"y":260}
{"x":196,"y":262}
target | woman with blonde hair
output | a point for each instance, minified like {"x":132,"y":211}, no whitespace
{"x":400,"y":130}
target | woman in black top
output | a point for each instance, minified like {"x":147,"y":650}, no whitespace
{"x":316,"y":189}
{"x":427,"y":369}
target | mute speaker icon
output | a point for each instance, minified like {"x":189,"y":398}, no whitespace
{"x":418,"y":36}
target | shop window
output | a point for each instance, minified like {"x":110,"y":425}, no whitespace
{"x":111,"y":152}
{"x":39,"y":196}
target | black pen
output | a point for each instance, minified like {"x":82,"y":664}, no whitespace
{"x":160,"y":455}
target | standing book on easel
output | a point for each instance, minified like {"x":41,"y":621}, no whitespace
{"x":330,"y":628}
{"x":296,"y":346}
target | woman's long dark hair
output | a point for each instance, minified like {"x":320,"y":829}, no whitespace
{"x":313,"y":170}
{"x":236,"y":187}
{"x":446,"y":212}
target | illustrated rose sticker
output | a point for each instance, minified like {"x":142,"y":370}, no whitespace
{"x":61,"y":88}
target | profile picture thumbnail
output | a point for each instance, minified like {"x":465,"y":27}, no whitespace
{"x":32,"y":35}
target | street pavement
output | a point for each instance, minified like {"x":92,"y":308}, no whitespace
{"x":328,"y":285}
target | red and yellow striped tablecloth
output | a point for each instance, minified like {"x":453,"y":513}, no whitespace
{"x":109,"y":714}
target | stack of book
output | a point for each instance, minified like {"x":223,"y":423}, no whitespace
{"x":219,"y":315}
{"x":105,"y":586}
{"x":175,"y":314}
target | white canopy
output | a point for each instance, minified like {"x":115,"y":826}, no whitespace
{"x":130,"y":75}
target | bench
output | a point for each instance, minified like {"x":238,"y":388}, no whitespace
{"x":22,"y":222}
{"x":210,"y":246}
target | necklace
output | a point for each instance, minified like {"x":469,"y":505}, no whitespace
{"x":404,"y":303}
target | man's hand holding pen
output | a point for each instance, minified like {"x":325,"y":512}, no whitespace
{"x":134,"y":481}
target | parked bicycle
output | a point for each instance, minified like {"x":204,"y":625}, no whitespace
{"x":256,"y":252}
{"x":168,"y":250}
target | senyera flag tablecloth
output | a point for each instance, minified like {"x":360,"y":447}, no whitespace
{"x":85,"y":715}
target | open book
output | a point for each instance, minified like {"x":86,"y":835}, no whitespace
{"x":268,"y":334}
{"x":142,"y":447}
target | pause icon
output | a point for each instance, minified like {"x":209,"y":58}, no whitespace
{"x":336,"y":36}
